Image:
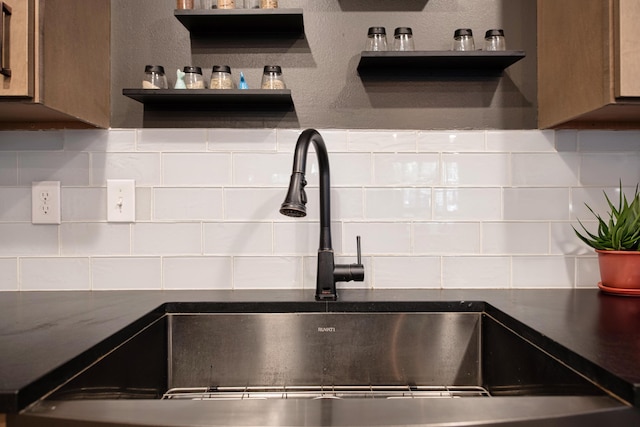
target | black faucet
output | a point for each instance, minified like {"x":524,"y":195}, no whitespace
{"x":295,"y":205}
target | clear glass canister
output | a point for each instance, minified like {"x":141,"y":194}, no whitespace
{"x":376,"y":39}
{"x":252,"y":4}
{"x":221,"y":77}
{"x":494,"y":40}
{"x":193,"y":78}
{"x":269,"y":4}
{"x":272,"y":78}
{"x":154,"y":78}
{"x":226,"y":4}
{"x":184,"y":4}
{"x":403,"y":39}
{"x":463,"y":39}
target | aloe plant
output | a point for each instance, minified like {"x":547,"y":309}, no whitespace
{"x":622,"y":231}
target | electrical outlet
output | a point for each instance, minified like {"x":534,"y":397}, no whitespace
{"x":45,"y":202}
{"x":121,"y":200}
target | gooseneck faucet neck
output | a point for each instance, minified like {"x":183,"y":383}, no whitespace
{"x":295,"y":205}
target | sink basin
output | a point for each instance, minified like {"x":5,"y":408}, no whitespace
{"x":322,"y":364}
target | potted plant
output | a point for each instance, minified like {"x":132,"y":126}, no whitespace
{"x":617,"y":243}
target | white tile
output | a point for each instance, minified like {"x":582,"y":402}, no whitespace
{"x":144,"y":168}
{"x":549,"y":170}
{"x":543,"y":272}
{"x":84,"y":204}
{"x":446,"y":238}
{"x":475,"y":272}
{"x":184,"y":169}
{"x":267,"y":273}
{"x":242,"y":140}
{"x":184,"y":204}
{"x":595,"y":198}
{"x":349,"y":169}
{"x":467,"y":204}
{"x":126,"y":273}
{"x":16,"y":204}
{"x":197,"y":273}
{"x":143,"y":203}
{"x":8,"y":274}
{"x":609,"y":141}
{"x":475,"y":169}
{"x":335,"y":140}
{"x":346,"y":203}
{"x":451,"y":141}
{"x":606,"y":169}
{"x":100,"y":140}
{"x":238,"y":238}
{"x":392,"y":141}
{"x":172,"y":140}
{"x":78,"y":238}
{"x":587,"y":272}
{"x":515,"y":238}
{"x":303,"y":238}
{"x":167,"y":239}
{"x":402,"y":203}
{"x":55,"y":274}
{"x":70,"y":168}
{"x":566,"y":141}
{"x":22,"y":239}
{"x":406,"y":169}
{"x":255,"y":204}
{"x":8,"y":168}
{"x":30,"y":140}
{"x":564,"y":240}
{"x":262,"y":169}
{"x":521,"y":140}
{"x":536,"y":204}
{"x":382,"y":238}
{"x":406,"y":273}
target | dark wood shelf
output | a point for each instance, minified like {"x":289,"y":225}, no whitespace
{"x":242,"y":21}
{"x":199,"y":99}
{"x":467,"y":62}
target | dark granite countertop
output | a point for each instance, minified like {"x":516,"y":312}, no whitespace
{"x":40,"y":331}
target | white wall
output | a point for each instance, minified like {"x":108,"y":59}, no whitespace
{"x":435,"y":209}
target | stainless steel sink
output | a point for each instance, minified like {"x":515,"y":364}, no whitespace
{"x":352,"y":367}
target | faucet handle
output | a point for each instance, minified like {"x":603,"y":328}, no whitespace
{"x":358,"y":250}
{"x":349,"y":272}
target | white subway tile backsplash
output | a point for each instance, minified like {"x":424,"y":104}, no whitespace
{"x":196,"y":169}
{"x":487,"y":169}
{"x":197,"y":273}
{"x":406,"y":169}
{"x":52,"y":274}
{"x":8,"y":274}
{"x":466,"y":204}
{"x":187,"y":204}
{"x":167,"y":239}
{"x":445,"y":208}
{"x":126,"y":273}
{"x":86,"y":238}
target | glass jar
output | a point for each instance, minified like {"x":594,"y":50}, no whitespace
{"x":272,"y":78}
{"x":184,"y":4}
{"x":154,"y":78}
{"x":221,"y":77}
{"x":376,"y":39}
{"x":494,"y":40}
{"x":463,"y":39}
{"x":193,"y":78}
{"x":269,"y":4}
{"x":226,"y":4}
{"x":403,"y":39}
{"x":252,"y":4}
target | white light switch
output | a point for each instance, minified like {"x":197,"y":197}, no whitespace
{"x":121,"y":200}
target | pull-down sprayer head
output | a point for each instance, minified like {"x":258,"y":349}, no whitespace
{"x":294,"y":204}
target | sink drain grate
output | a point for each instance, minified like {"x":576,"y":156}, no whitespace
{"x":325,"y":392}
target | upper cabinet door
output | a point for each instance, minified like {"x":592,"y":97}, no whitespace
{"x":627,"y":48}
{"x":17,"y":48}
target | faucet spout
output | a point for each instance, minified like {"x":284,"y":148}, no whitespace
{"x":295,"y":205}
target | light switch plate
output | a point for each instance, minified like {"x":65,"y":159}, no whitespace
{"x":45,"y":202}
{"x":121,"y":200}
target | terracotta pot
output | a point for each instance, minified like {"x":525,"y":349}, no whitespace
{"x":619,"y":269}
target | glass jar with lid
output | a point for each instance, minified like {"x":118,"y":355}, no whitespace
{"x":226,"y":4}
{"x":193,"y":78}
{"x":272,"y":78}
{"x":463,"y":39}
{"x":154,"y":77}
{"x":494,"y":40}
{"x":269,"y":4}
{"x":221,"y":77}
{"x":403,"y":39}
{"x":376,"y":39}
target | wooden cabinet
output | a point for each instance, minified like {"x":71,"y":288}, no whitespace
{"x":588,"y":64}
{"x":59,"y":55}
